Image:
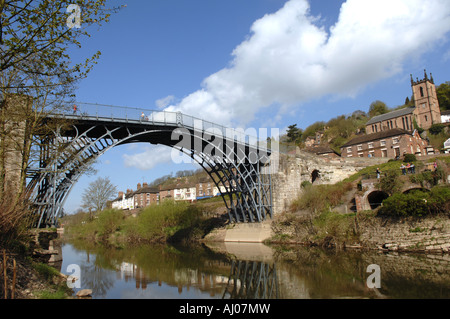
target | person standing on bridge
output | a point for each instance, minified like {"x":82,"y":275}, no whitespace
{"x":378,"y":173}
{"x":142,"y":116}
{"x":74,"y":109}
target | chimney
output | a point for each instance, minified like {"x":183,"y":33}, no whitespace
{"x":139,"y":186}
{"x":120,"y":194}
{"x":144,"y":185}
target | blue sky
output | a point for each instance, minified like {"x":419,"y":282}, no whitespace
{"x":255,"y":63}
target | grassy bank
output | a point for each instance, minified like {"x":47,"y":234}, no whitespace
{"x":168,"y":222}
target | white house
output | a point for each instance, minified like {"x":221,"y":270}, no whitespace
{"x":445,"y":116}
{"x":124,"y":201}
{"x":185,"y":193}
{"x":447,"y":146}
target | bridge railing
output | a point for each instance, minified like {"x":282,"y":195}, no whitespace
{"x":112,"y":112}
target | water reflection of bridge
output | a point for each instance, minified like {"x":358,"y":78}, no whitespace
{"x":251,"y":280}
{"x":247,"y":279}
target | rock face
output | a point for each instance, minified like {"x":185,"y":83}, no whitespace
{"x":84,"y":293}
{"x":46,"y":247}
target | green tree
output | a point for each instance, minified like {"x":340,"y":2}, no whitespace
{"x":293,"y":133}
{"x":377,"y":108}
{"x":37,"y":75}
{"x":443,"y":95}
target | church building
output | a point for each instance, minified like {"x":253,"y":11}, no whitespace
{"x":425,"y":112}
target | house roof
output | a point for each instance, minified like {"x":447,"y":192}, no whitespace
{"x":390,"y":115}
{"x":376,"y":136}
{"x":146,"y":189}
{"x":318,"y":150}
{"x":445,"y":112}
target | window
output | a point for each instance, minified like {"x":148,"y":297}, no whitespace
{"x":370,"y":145}
{"x":360,"y":154}
{"x":382,"y":143}
{"x":426,"y":118}
{"x":421,"y":91}
{"x":349,"y":149}
{"x":359,"y":147}
{"x":394,"y":140}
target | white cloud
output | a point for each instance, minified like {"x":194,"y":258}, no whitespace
{"x":287,"y":59}
{"x":164,"y":102}
{"x":153,"y":155}
{"x":150,"y":157}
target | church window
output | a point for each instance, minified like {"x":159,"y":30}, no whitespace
{"x":426,"y":118}
{"x":421,"y":91}
{"x":403,"y":121}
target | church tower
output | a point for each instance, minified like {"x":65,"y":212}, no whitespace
{"x":426,"y":110}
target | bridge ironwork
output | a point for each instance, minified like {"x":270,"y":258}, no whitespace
{"x":237,"y":162}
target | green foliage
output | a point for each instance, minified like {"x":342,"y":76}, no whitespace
{"x":409,"y":158}
{"x":436,"y":128}
{"x":293,"y":133}
{"x":46,"y":271}
{"x":443,"y":95}
{"x":305,"y":184}
{"x":390,"y":183}
{"x":417,"y":127}
{"x":312,"y":129}
{"x":377,"y":108}
{"x":428,"y":177}
{"x":417,"y":203}
{"x":159,"y":222}
{"x":109,"y":221}
{"x":318,"y":198}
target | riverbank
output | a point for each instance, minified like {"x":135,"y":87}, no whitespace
{"x":365,"y":230}
{"x":30,"y":270}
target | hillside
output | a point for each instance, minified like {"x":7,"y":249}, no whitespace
{"x":341,"y":129}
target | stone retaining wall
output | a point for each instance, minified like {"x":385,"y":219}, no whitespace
{"x":424,"y":235}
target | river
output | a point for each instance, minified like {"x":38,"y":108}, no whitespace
{"x":252,"y":271}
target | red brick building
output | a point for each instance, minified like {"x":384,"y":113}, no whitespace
{"x":425,"y":111}
{"x":388,"y":143}
{"x":145,"y":195}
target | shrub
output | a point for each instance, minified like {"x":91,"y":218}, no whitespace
{"x":305,"y":184}
{"x":409,"y":158}
{"x":418,"y":203}
{"x":318,"y":198}
{"x":158,"y":222}
{"x":109,"y":221}
{"x":390,"y":183}
{"x":436,"y":128}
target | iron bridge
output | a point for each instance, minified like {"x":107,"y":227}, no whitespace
{"x":236,"y":162}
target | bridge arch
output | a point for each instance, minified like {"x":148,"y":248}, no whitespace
{"x":375,"y":198}
{"x":233,"y":165}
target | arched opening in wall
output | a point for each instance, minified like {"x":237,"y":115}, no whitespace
{"x":421,"y":189}
{"x":376,"y":198}
{"x":352,"y":205}
{"x":315,"y":175}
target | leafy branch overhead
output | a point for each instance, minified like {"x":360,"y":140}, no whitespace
{"x":34,"y":38}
